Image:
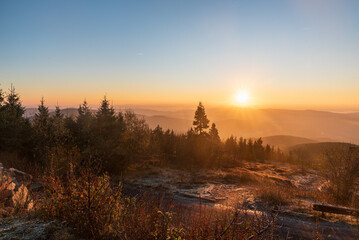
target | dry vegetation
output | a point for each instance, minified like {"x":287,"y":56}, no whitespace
{"x":96,"y":208}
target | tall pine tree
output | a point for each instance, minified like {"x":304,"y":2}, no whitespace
{"x":200,"y":120}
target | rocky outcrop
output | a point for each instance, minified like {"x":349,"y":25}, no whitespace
{"x":14,"y":194}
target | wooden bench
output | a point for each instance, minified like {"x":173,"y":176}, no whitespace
{"x":334,"y":209}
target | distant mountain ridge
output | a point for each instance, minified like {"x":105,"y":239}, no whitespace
{"x":286,"y":141}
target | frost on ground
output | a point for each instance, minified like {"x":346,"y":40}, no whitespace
{"x":33,"y":229}
{"x":227,"y":186}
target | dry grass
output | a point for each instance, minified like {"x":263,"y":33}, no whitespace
{"x":240,"y":178}
{"x":274,"y":196}
{"x":97,"y":209}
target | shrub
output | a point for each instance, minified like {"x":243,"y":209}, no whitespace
{"x":97,"y":209}
{"x":87,"y":202}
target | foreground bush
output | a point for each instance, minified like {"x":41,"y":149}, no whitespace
{"x":96,"y":209}
{"x":88,"y":202}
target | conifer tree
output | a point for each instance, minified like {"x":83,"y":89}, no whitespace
{"x":58,"y":129}
{"x":215,"y":146}
{"x":106,"y":111}
{"x":42,"y":118}
{"x":85,"y":118}
{"x":84,"y":110}
{"x":213,"y":133}
{"x":63,"y":153}
{"x":14,"y":128}
{"x":200,"y":120}
{"x":83,"y":131}
{"x":108,"y":131}
{"x":43,"y":138}
{"x":13,"y":105}
{"x":58,"y":113}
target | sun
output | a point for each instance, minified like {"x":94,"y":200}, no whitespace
{"x":242,"y":98}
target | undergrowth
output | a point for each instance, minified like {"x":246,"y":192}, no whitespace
{"x":97,"y":209}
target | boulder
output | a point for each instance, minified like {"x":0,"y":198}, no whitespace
{"x":14,"y":195}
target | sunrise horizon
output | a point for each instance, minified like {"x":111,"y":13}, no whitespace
{"x":304,"y":58}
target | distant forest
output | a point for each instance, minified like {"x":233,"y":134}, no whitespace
{"x":113,"y":141}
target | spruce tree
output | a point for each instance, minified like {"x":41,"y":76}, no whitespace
{"x":64,"y":154}
{"x":13,"y":125}
{"x":43,"y":140}
{"x":59,"y":131}
{"x":83,"y":131}
{"x":200,"y":120}
{"x":13,"y":105}
{"x":106,"y":111}
{"x":84,"y":119}
{"x":84,"y":111}
{"x":213,"y":133}
{"x":42,"y":118}
{"x":108,"y":133}
{"x":58,"y":113}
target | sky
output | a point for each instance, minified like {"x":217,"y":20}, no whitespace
{"x":282,"y":53}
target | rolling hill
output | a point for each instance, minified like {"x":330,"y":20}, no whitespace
{"x":285,"y":141}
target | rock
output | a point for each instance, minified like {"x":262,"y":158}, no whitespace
{"x":22,"y":177}
{"x":14,"y":196}
{"x":36,"y":187}
{"x":25,"y":228}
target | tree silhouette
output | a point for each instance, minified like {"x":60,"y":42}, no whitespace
{"x":200,"y":120}
{"x":106,"y":111}
{"x":14,"y":129}
{"x":13,"y":105}
{"x":1,"y":97}
{"x":83,"y":127}
{"x":58,"y":130}
{"x":213,"y":133}
{"x":42,"y":120}
{"x":42,"y":129}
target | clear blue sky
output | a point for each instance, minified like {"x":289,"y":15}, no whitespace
{"x":284,"y":53}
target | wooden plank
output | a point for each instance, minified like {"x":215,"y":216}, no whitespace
{"x":335,"y":209}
